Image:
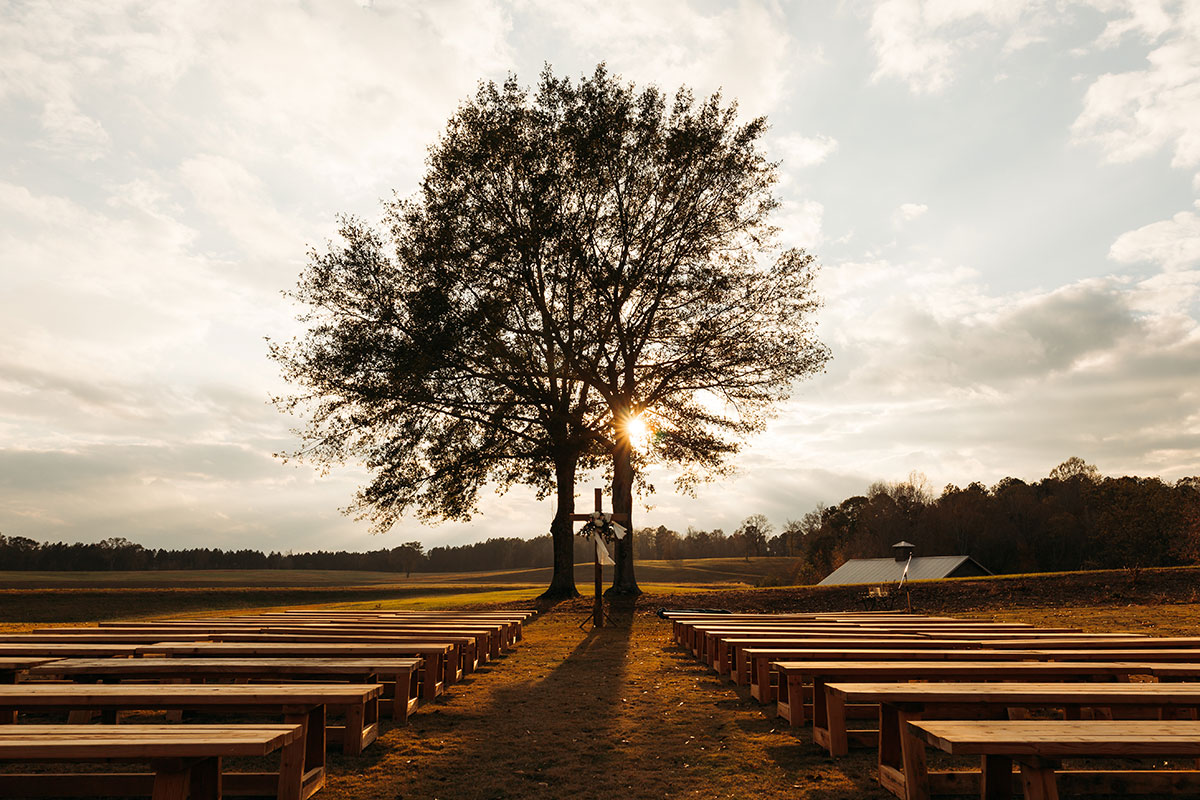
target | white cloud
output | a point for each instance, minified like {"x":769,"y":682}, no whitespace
{"x":239,"y":205}
{"x":905,"y":48}
{"x":1132,"y":114}
{"x":907,"y":212}
{"x":70,"y":132}
{"x":744,"y":49}
{"x":1172,"y":244}
{"x":804,"y":151}
{"x":799,"y":222}
{"x":1146,"y":18}
{"x":920,"y":41}
{"x":933,"y":372}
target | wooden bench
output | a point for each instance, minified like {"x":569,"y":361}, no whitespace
{"x":702,"y":636}
{"x":67,"y":650}
{"x":402,"y":673}
{"x":735,"y":645}
{"x":513,"y":623}
{"x":434,"y":674}
{"x":756,"y":661}
{"x":742,"y":673}
{"x":1110,"y":640}
{"x":753,"y":668}
{"x":806,"y":680}
{"x":902,"y":756}
{"x":692,"y":631}
{"x":89,"y":636}
{"x":682,"y":622}
{"x":711,"y":643}
{"x":1039,"y":746}
{"x":460,"y":657}
{"x":477,"y":643}
{"x":298,"y":704}
{"x":185,"y":760}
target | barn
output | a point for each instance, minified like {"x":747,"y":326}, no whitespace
{"x":891,"y":570}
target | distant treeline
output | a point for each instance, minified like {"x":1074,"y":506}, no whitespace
{"x":1073,"y":519}
{"x":21,"y":553}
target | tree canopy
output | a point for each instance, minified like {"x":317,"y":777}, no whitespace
{"x":576,"y":258}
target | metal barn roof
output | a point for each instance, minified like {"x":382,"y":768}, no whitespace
{"x":889,"y":570}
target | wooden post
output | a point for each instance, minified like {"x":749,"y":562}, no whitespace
{"x":598,"y":604}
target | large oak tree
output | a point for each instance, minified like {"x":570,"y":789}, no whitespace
{"x":576,"y":259}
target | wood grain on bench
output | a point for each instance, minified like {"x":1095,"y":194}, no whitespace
{"x":1038,"y":746}
{"x":185,"y":760}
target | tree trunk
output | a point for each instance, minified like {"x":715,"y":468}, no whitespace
{"x":624,"y":582}
{"x":562,"y":531}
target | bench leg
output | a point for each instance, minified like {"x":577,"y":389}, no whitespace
{"x":996,"y":781}
{"x":795,"y":696}
{"x":356,"y":718}
{"x":291,"y":770}
{"x":835,"y":719}
{"x":312,"y":719}
{"x":763,"y":668}
{"x":912,"y":753}
{"x":173,"y":778}
{"x":397,"y":703}
{"x":8,"y":717}
{"x":889,"y":739}
{"x":206,"y":780}
{"x":1038,"y":781}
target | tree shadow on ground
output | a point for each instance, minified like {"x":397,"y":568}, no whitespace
{"x":546,"y":729}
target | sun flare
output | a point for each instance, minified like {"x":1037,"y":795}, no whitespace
{"x":639,"y":433}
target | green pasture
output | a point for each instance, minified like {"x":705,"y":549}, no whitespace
{"x":41,"y":597}
{"x":706,"y":571}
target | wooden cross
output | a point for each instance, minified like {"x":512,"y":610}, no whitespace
{"x":598,"y":606}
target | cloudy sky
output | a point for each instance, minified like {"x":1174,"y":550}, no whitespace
{"x":1003,"y":195}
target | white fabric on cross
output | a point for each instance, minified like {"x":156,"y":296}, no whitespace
{"x":602,"y":550}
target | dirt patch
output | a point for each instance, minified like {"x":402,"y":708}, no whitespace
{"x":618,"y":712}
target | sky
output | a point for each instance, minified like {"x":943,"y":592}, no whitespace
{"x":1003,"y":195}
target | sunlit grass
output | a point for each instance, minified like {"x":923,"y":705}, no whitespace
{"x":447,"y":600}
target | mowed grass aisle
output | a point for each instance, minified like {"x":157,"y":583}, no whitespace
{"x":609,"y":713}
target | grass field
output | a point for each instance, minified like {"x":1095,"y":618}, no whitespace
{"x":686,"y":571}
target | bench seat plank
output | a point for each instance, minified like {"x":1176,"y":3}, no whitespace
{"x":140,"y":742}
{"x":1063,"y":738}
{"x":402,"y":672}
{"x":902,"y":768}
{"x":1039,"y":746}
{"x":435,"y":675}
{"x":185,"y":760}
{"x":795,"y":674}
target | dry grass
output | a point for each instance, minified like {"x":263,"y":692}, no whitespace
{"x":1153,"y":620}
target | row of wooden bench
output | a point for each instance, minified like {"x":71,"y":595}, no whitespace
{"x":262,"y":664}
{"x":968,"y":687}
